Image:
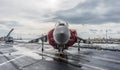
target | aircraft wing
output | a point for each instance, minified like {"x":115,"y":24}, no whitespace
{"x":20,"y":41}
{"x":43,"y":38}
{"x":79,"y":39}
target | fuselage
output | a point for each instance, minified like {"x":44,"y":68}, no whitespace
{"x":61,"y":34}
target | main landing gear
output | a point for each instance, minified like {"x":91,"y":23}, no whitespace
{"x":78,"y":45}
{"x":42,"y":49}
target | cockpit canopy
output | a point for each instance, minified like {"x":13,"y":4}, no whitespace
{"x":61,"y":24}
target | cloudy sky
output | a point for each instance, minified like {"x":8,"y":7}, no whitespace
{"x":31,"y":18}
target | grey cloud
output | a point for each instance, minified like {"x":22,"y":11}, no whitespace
{"x":23,"y":9}
{"x":93,"y":30}
{"x":118,"y":32}
{"x":84,"y":13}
{"x":10,"y":23}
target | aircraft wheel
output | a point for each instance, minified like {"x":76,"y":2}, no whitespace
{"x":78,"y":49}
{"x":42,"y":49}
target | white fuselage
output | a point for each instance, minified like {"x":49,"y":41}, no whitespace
{"x":61,"y":34}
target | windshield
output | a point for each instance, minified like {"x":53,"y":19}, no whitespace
{"x":61,"y":24}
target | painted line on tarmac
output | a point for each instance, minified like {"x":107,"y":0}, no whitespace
{"x":11,"y":60}
{"x":94,"y":67}
{"x":106,"y":59}
{"x":71,"y":62}
{"x":3,"y":54}
{"x":9,"y":48}
{"x":102,"y":58}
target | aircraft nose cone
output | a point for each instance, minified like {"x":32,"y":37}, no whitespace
{"x":61,"y":38}
{"x":61,"y":35}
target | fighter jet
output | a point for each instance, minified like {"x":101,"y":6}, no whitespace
{"x":61,"y":37}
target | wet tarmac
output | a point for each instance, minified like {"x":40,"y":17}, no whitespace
{"x":20,"y":56}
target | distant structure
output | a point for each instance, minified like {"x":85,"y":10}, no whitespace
{"x":8,"y":38}
{"x":1,"y":38}
{"x":103,"y":40}
{"x":106,"y":37}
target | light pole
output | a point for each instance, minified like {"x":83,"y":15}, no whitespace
{"x":106,"y":36}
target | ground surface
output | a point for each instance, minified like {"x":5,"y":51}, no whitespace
{"x":28,"y":57}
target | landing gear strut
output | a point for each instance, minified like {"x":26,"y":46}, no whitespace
{"x":61,"y":49}
{"x":42,"y":44}
{"x":78,"y":45}
{"x":42,"y":47}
